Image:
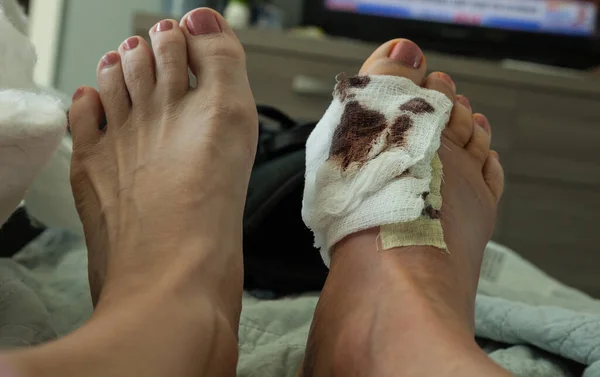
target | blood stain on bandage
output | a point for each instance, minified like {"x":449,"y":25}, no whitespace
{"x":398,"y":130}
{"x":431,"y":212}
{"x":417,"y":106}
{"x":354,"y":137}
{"x":343,"y":87}
{"x":360,"y":82}
{"x":360,"y":126}
{"x":341,"y":90}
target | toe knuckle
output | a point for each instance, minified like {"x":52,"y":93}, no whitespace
{"x":226,"y":51}
{"x":170,"y":64}
{"x":231,"y":110}
{"x":80,"y":155}
{"x":480,"y":152}
{"x":164,"y":48}
{"x":160,"y":49}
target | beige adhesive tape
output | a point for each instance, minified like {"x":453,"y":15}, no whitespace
{"x":427,"y":229}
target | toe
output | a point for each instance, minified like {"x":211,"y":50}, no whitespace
{"x":493,"y":174}
{"x":138,"y":69}
{"x":85,"y":117}
{"x":479,"y":145}
{"x":399,"y":57}
{"x":460,"y":127}
{"x":113,"y":91}
{"x":170,"y":54}
{"x":443,"y":83}
{"x":215,"y":55}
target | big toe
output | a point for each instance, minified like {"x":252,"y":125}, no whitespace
{"x":217,"y":59}
{"x":399,"y":57}
{"x":215,"y":54}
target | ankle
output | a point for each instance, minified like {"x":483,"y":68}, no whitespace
{"x":195,"y":267}
{"x":180,"y":289}
{"x":421,"y":275}
{"x":151,"y":325}
{"x":420,"y":328}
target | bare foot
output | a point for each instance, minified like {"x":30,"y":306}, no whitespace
{"x":161,"y":189}
{"x":410,"y":311}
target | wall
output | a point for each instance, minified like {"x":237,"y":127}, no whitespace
{"x":45,"y":20}
{"x":91,"y":28}
{"x":293,"y":10}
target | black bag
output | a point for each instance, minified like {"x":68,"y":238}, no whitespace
{"x":18,"y":231}
{"x":279,"y":255}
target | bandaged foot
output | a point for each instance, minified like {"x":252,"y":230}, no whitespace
{"x":31,"y":124}
{"x":389,"y":295}
{"x":372,"y":161}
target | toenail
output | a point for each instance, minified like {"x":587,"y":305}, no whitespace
{"x":203,"y":21}
{"x":464,"y":101}
{"x":131,"y":43}
{"x":407,"y":53}
{"x":483,"y":122}
{"x":109,"y":60}
{"x":447,"y":79}
{"x":164,"y":25}
{"x":78,"y":94}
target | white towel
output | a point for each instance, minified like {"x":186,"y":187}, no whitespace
{"x":32,"y":123}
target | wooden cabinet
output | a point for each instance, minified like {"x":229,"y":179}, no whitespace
{"x":300,"y":86}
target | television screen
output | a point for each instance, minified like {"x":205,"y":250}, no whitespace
{"x":566,"y":17}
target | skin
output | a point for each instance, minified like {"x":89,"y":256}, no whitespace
{"x":165,"y":265}
{"x":416,"y":304}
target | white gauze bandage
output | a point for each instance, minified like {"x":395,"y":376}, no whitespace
{"x":372,"y":161}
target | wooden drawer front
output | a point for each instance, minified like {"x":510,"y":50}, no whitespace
{"x":574,"y":266}
{"x":487,"y":94}
{"x":557,"y":147}
{"x":555,"y":104}
{"x":565,"y":216}
{"x":555,"y":228}
{"x":281,"y":81}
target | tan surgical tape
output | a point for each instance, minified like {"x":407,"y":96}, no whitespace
{"x":423,"y":231}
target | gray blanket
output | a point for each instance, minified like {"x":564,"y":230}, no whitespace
{"x":532,"y":327}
